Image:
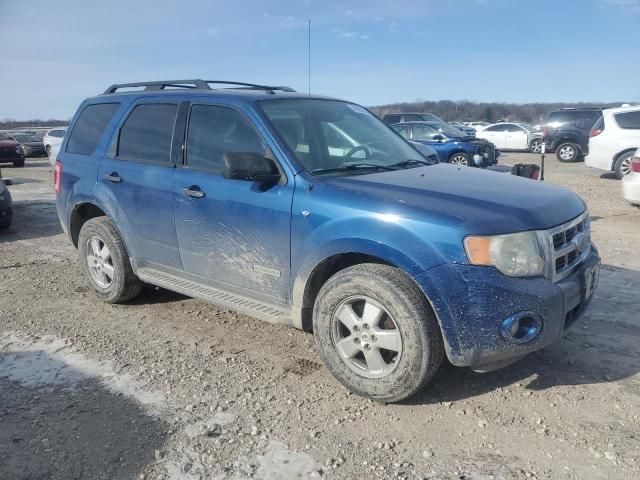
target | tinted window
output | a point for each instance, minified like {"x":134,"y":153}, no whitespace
{"x":629,"y":120}
{"x":213,"y":131}
{"x":91,"y":123}
{"x":146,"y":134}
{"x":514,"y":128}
{"x":496,"y":128}
{"x":413,"y":118}
{"x":589,"y":118}
{"x":561,"y":118}
{"x":392,"y":118}
{"x":56,"y":133}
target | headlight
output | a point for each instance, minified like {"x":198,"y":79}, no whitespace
{"x":19,"y":149}
{"x":514,"y":254}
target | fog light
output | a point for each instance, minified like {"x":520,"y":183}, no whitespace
{"x":521,"y":328}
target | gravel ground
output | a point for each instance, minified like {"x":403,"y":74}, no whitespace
{"x":171,"y":387}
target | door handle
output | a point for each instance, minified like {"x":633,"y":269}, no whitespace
{"x":113,"y":177}
{"x":193,"y":192}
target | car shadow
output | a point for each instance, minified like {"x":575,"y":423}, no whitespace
{"x":603,"y":346}
{"x":32,"y":219}
{"x":609,"y":176}
{"x":152,"y":295}
{"x":52,"y":430}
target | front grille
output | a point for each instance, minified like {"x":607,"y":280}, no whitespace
{"x":571,"y":244}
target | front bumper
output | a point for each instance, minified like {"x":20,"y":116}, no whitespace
{"x":471,"y":302}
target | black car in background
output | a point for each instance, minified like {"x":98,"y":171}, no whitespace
{"x":6,"y":206}
{"x":31,"y":144}
{"x":567,"y":132}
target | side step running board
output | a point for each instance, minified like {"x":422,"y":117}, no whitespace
{"x":249,"y":306}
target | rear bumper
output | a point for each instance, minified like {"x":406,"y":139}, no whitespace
{"x":472,"y":303}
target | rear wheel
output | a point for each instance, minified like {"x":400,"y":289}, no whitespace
{"x":568,"y":152}
{"x":105,"y":262}
{"x":460,"y":158}
{"x":376,"y":333}
{"x":622,"y":166}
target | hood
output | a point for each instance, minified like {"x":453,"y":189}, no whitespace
{"x":482,"y":202}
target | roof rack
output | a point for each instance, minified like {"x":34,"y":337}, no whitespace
{"x":194,"y":84}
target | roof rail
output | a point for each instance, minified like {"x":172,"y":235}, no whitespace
{"x":194,"y":84}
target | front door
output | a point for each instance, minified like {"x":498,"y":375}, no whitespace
{"x":233,"y":232}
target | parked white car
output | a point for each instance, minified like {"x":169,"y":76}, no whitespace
{"x":631,"y":181}
{"x":512,"y":136}
{"x":53,"y":138}
{"x":614,"y":139}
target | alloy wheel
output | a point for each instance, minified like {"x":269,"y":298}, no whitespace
{"x":100,"y":262}
{"x":536,"y":146}
{"x":625,"y":166}
{"x":459,"y":160}
{"x":366,"y":337}
{"x":567,"y":152}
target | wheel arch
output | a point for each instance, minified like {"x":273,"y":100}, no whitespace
{"x":619,"y":154}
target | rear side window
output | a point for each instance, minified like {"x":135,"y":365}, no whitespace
{"x":629,"y":120}
{"x":392,"y":119}
{"x":561,"y":118}
{"x":147,"y":132}
{"x":214,"y":131}
{"x":496,"y":128}
{"x":89,"y":128}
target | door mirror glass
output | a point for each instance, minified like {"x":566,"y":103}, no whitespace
{"x":437,"y":137}
{"x":251,"y":167}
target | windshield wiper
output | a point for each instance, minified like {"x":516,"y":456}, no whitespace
{"x":353,"y":166}
{"x":408,"y":162}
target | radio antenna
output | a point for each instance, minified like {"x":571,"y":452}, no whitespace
{"x":309,"y":58}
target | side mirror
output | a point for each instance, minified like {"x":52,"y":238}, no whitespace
{"x":438,"y":138}
{"x":251,"y":167}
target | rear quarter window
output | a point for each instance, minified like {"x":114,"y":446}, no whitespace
{"x":89,"y":127}
{"x":628,"y":120}
{"x":557,"y":119}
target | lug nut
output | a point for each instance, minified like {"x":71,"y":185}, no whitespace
{"x":365,"y":326}
{"x":356,"y":340}
{"x":367,"y":346}
{"x":356,"y":328}
{"x":373,"y":338}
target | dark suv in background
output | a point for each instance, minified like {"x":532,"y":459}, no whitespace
{"x":567,"y":132}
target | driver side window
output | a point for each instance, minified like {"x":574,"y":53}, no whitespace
{"x":422,"y":132}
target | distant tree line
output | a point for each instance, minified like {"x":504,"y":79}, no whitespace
{"x":468,"y":111}
{"x":11,"y":124}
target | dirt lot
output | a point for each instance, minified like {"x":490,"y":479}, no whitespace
{"x":171,"y":387}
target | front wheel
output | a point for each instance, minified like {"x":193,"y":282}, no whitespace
{"x":460,"y":158}
{"x":376,"y":333}
{"x":568,"y":152}
{"x":535,"y":146}
{"x":105,"y":262}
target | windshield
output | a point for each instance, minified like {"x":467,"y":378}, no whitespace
{"x":447,"y":130}
{"x":333,"y":137}
{"x":25,"y":138}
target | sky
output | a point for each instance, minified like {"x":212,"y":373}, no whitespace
{"x":55,"y":54}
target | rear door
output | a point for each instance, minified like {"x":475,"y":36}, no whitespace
{"x":135,"y":181}
{"x":234,"y":233}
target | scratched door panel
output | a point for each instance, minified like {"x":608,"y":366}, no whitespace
{"x":236,"y":231}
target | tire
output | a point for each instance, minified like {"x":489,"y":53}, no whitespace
{"x":402,"y":305}
{"x":48,"y":150}
{"x":111,"y":275}
{"x":18,"y":164}
{"x":622,"y":165}
{"x":535,"y":146}
{"x":460,"y":158}
{"x":568,"y":152}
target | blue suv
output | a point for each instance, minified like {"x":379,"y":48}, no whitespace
{"x":453,"y":145}
{"x":311,"y":212}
